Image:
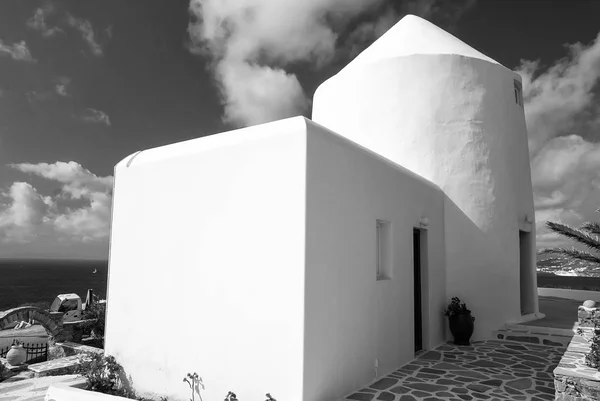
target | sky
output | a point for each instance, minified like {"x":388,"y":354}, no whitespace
{"x":85,"y":84}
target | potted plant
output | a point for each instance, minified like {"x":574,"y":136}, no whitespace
{"x":461,"y":321}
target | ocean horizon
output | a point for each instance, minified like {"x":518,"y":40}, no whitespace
{"x":38,"y":281}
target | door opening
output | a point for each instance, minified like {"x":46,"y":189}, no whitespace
{"x":417,"y":290}
{"x":526,"y":273}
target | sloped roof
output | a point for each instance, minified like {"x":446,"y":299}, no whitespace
{"x":415,"y":35}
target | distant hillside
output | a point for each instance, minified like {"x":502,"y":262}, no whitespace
{"x":568,"y":268}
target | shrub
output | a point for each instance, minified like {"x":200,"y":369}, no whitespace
{"x":195,"y":382}
{"x":105,"y":375}
{"x":456,"y":308}
{"x":97,"y":312}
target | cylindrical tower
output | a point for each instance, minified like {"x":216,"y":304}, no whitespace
{"x":427,"y":101}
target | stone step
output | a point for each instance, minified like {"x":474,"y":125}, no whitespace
{"x":56,"y":367}
{"x":533,"y":337}
{"x":541,"y":329}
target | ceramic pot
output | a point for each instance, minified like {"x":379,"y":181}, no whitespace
{"x":16,"y":355}
{"x":461,"y":327}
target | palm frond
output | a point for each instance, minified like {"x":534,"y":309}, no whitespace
{"x":564,"y":253}
{"x":592,"y":241}
{"x":591,"y":227}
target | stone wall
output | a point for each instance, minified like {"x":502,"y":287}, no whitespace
{"x":573,"y":379}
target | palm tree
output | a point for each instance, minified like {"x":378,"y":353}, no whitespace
{"x":588,"y":234}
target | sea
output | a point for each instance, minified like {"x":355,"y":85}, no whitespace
{"x":38,"y":281}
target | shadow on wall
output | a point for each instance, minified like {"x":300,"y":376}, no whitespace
{"x":469,"y":249}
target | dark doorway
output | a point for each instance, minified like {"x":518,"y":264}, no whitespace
{"x":417,"y":290}
{"x":527,"y":272}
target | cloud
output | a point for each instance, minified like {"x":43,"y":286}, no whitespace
{"x":27,"y":214}
{"x":17,"y":51}
{"x":557,"y":97}
{"x":24,"y":213}
{"x":87,"y":33}
{"x":251,"y":42}
{"x":37,"y":22}
{"x":61,"y":85}
{"x":562,"y":116}
{"x":34,"y":97}
{"x":94,"y":116}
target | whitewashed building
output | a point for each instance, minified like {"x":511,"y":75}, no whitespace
{"x":307,"y":258}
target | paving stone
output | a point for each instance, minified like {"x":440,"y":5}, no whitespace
{"x":465,"y":397}
{"x":495,"y":383}
{"x":427,"y":387}
{"x":418,"y":393}
{"x":400,"y":390}
{"x":361,"y":397}
{"x":446,"y":381}
{"x":407,"y":398}
{"x":385,"y":396}
{"x":434,"y":371}
{"x":520,"y":384}
{"x":384,"y":383}
{"x":445,"y":366}
{"x":432,"y":355}
{"x":488,"y":364}
{"x":544,"y":390}
{"x":468,"y":373}
{"x":478,"y":387}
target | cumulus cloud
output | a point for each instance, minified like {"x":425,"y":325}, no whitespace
{"x":61,"y":86}
{"x":37,"y":22}
{"x":17,"y":51}
{"x":250,"y":42}
{"x":559,"y":96}
{"x":87,"y":33}
{"x":562,"y":119}
{"x":26,"y":213}
{"x":94,"y":116}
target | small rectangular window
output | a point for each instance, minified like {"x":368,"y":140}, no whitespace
{"x":383,"y":263}
{"x":518,"y":89}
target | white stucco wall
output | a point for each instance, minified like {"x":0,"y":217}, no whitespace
{"x":351,"y":318}
{"x":452,"y":119}
{"x":207,"y":264}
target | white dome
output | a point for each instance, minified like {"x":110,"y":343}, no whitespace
{"x":415,"y":35}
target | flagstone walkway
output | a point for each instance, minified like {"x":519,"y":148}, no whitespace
{"x":486,"y":370}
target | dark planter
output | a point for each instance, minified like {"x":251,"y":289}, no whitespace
{"x":461,"y":327}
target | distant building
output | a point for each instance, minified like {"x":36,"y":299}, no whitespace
{"x":306,"y":258}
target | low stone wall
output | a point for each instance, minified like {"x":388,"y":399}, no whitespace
{"x":573,"y":379}
{"x":73,"y":331}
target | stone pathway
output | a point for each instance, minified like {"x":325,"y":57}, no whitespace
{"x":33,"y":389}
{"x":486,"y":370}
{"x":56,"y":366}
